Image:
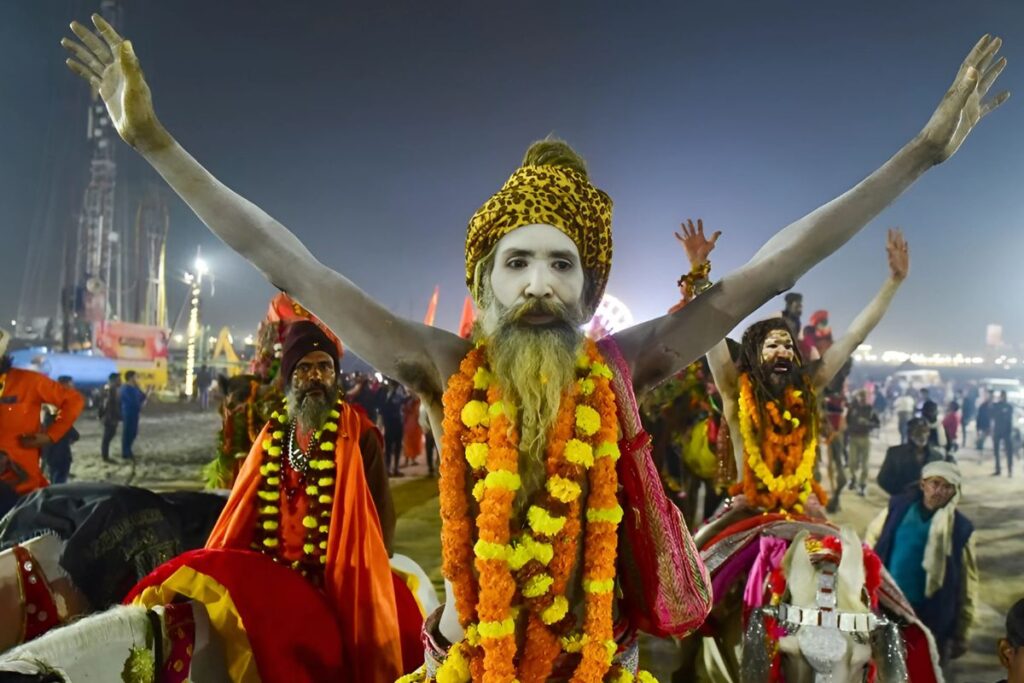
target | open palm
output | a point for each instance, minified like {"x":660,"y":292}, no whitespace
{"x":110,"y":65}
{"x":965,"y":102}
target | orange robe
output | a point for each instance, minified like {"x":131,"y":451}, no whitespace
{"x":357,"y":576}
{"x":412,"y":437}
{"x":23,"y":395}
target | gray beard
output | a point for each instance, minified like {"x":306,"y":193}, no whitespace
{"x":311,"y":412}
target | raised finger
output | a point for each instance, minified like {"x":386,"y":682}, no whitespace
{"x":95,"y":45}
{"x":714,"y":238}
{"x":681,"y":238}
{"x":83,"y":71}
{"x":976,"y":52}
{"x":700,"y":226}
{"x":82,"y":55}
{"x":990,"y":76}
{"x":990,"y":106}
{"x":107,"y":31}
{"x":990,"y":52}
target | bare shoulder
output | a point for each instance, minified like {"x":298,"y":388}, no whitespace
{"x":427,"y":371}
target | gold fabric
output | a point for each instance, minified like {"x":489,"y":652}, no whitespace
{"x":546,"y":195}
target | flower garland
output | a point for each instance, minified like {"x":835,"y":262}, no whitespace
{"x":528,"y":574}
{"x":318,"y":485}
{"x":779,"y":469}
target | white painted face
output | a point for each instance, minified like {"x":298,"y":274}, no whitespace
{"x":778,"y":346}
{"x":537,"y":262}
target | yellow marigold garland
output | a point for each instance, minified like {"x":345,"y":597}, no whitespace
{"x":480,"y":462}
{"x":319,"y":490}
{"x":780,"y":455}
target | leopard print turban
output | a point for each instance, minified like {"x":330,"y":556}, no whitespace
{"x":546,"y":195}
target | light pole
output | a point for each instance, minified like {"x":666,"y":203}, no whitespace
{"x":195,"y":282}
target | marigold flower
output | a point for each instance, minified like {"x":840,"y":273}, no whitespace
{"x":556,"y":611}
{"x":543,"y":522}
{"x":476,"y":455}
{"x":588,"y":421}
{"x":579,"y":452}
{"x":562,"y":489}
{"x":537,"y":586}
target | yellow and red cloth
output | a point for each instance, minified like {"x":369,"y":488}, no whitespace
{"x":274,"y":625}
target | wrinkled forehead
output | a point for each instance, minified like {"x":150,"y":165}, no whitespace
{"x":538,"y":239}
{"x":938,"y":481}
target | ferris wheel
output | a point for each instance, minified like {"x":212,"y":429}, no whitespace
{"x":611,"y":316}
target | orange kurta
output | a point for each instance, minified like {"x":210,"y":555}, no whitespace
{"x":357,"y":577}
{"x":24,"y":393}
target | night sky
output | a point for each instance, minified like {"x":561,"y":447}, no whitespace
{"x":374,"y":130}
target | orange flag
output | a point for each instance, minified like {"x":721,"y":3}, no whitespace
{"x":468,"y":317}
{"x":428,"y":319}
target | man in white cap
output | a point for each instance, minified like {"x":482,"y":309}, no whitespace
{"x":928,"y":547}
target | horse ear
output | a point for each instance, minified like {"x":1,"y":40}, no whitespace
{"x":799,"y":572}
{"x":851,"y":571}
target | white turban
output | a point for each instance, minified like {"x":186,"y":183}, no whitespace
{"x":940,"y":532}
{"x":941,"y":468}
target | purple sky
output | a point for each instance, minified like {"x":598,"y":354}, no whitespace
{"x":374,"y":133}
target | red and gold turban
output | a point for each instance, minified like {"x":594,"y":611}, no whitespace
{"x":546,"y":195}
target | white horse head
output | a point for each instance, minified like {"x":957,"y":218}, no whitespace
{"x":825,"y":614}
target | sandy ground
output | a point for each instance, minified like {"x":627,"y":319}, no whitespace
{"x":175,"y":442}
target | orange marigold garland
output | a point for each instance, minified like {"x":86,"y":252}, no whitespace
{"x":456,"y":523}
{"x":603,"y":517}
{"x":530,"y":571}
{"x":780,"y":450}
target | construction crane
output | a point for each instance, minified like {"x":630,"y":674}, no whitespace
{"x":94,"y":292}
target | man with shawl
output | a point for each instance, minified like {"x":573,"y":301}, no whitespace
{"x":928,"y":547}
{"x":313,"y":495}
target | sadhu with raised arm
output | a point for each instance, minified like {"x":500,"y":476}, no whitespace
{"x":538,"y":426}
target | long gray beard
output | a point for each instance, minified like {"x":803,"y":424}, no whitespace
{"x":311,"y":412}
{"x":534,"y":366}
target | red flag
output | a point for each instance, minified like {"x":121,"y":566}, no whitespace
{"x":428,"y":319}
{"x":468,"y":317}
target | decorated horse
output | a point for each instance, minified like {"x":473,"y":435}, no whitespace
{"x":211,"y":615}
{"x":798,"y":599}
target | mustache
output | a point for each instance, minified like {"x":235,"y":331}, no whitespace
{"x":557,"y":310}
{"x":302,"y":393}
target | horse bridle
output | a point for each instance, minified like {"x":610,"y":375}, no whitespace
{"x":819,"y":629}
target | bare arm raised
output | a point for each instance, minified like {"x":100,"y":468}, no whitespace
{"x":837,"y":354}
{"x":418,"y":355}
{"x":660,"y":347}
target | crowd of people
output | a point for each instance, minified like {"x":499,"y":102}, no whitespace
{"x":400,"y":417}
{"x":559,"y":542}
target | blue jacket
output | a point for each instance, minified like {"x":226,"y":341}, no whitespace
{"x":132,"y":399}
{"x":939,"y":612}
